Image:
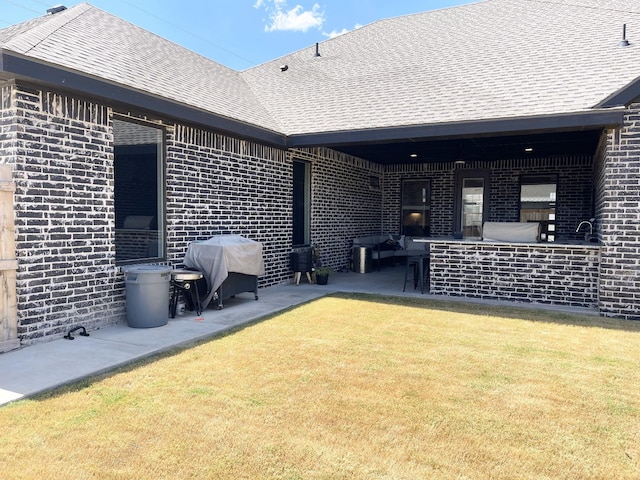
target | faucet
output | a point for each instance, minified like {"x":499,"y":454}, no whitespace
{"x":587,"y":235}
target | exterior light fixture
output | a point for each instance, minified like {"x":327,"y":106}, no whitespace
{"x":414,"y":155}
{"x":528,"y":149}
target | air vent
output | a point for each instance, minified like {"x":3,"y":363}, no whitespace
{"x":624,"y":42}
{"x":56,"y":9}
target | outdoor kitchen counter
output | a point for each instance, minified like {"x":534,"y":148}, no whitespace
{"x":558,"y":243}
{"x":547,"y":273}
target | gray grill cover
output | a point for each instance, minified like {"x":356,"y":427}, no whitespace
{"x":219,"y":255}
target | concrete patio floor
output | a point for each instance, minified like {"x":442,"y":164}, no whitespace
{"x":42,"y":367}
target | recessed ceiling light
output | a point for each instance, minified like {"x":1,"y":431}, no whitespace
{"x":528,"y":149}
{"x":414,"y":155}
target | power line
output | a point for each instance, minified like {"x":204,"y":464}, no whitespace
{"x":149,"y":14}
{"x":21,"y":6}
{"x":250,"y":62}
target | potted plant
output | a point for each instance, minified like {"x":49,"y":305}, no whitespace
{"x":322,"y":275}
{"x":315,"y":255}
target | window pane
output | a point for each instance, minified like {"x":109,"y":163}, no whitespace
{"x":301,"y":202}
{"x":138,"y":187}
{"x":414,"y":192}
{"x":472,"y":207}
{"x":416,"y":208}
{"x":538,"y":203}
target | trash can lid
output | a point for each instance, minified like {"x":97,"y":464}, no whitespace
{"x":149,"y":269}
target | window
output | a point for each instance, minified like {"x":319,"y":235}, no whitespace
{"x":139,"y":180}
{"x":416,"y":208}
{"x":470,"y":209}
{"x":301,"y":202}
{"x":538,"y":203}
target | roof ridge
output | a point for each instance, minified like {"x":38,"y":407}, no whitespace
{"x":29,"y":39}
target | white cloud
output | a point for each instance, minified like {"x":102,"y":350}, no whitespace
{"x":336,"y":33}
{"x":295,"y":19}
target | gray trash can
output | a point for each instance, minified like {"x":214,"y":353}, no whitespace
{"x":147,"y":290}
{"x":362,"y":262}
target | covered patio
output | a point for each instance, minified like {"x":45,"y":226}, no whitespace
{"x":444,"y":190}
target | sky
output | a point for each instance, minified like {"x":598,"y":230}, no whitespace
{"x":239,"y":33}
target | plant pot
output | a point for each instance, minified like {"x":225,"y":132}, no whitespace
{"x":322,"y":279}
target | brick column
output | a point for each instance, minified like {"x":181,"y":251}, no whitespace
{"x":61,"y":153}
{"x":618,"y":212}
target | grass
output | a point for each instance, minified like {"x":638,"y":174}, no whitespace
{"x":353,"y":387}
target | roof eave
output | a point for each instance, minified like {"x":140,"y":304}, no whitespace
{"x":26,"y":68}
{"x":42,"y":73}
{"x":583,"y":120}
{"x":622,"y":97}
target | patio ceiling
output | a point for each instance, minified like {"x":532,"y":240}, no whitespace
{"x":499,"y":147}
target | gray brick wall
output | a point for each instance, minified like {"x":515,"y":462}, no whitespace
{"x":617,"y":202}
{"x":61,"y":149}
{"x":216,"y":184}
{"x":220,"y":185}
{"x":62,"y":162}
{"x":546,"y":274}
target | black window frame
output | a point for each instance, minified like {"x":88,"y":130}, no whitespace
{"x":301,"y":203}
{"x":460,"y":176}
{"x":420,"y":231}
{"x":157,"y":251}
{"x":541,"y":179}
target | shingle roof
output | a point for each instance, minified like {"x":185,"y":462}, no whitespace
{"x":488,"y":60}
{"x":495,"y":59}
{"x":88,"y":40}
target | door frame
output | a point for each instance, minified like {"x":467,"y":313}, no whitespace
{"x":460,"y":176}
